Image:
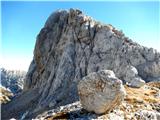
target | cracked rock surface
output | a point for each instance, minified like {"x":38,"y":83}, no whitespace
{"x":101,"y":91}
{"x":70,"y":46}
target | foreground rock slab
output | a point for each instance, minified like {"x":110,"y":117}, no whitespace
{"x":101,"y":91}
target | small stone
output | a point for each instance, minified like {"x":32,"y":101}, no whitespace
{"x":147,"y":115}
{"x":137,"y":82}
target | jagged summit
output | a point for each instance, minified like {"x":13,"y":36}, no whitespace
{"x":70,"y":46}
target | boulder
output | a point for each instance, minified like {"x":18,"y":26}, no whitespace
{"x":132,"y":78}
{"x":101,"y":91}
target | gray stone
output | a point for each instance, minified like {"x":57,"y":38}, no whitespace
{"x":137,"y":82}
{"x":132,"y":78}
{"x":147,"y":115}
{"x":101,"y":91}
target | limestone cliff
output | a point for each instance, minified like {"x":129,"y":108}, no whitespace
{"x":70,"y":46}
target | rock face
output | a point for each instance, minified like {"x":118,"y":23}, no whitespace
{"x":70,"y":46}
{"x":101,"y":91}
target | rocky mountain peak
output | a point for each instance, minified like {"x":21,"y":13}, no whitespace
{"x":70,"y":46}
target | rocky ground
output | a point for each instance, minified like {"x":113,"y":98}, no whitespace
{"x":140,"y":104}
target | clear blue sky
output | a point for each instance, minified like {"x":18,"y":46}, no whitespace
{"x":22,"y":21}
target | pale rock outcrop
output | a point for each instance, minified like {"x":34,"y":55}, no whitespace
{"x":132,"y":78}
{"x":70,"y":46}
{"x":101,"y":91}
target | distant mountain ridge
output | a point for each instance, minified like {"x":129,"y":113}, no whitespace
{"x":12,"y":80}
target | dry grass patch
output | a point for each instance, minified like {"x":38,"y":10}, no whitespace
{"x":5,"y":95}
{"x":145,"y":94}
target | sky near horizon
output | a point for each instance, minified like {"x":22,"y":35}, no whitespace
{"x":22,"y":21}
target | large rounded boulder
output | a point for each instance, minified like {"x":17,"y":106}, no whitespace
{"x":101,"y":91}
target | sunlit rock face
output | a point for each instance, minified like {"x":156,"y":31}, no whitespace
{"x":70,"y":46}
